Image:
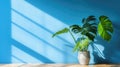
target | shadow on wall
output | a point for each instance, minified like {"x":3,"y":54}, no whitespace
{"x":16,"y":25}
{"x":32,"y":30}
{"x":67,"y":11}
{"x":31,"y":52}
{"x":35,"y":23}
{"x":110,"y":52}
{"x":70,"y":12}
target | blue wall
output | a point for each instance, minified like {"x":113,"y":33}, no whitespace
{"x":34,"y":21}
{"x":5,"y":31}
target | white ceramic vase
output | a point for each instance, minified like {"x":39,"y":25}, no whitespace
{"x":84,"y":57}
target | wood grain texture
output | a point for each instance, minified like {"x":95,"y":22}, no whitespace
{"x":56,"y":65}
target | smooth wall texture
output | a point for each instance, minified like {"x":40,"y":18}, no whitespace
{"x":5,"y":31}
{"x":34,"y":22}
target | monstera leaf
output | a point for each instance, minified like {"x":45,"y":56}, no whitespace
{"x":89,"y":27}
{"x":88,"y":19}
{"x":105,"y":28}
{"x":77,"y":46}
{"x":65,"y":30}
{"x":88,"y":31}
{"x":82,"y":45}
{"x":75,"y":28}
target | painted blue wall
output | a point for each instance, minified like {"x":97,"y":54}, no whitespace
{"x":5,"y":31}
{"x":34,"y":21}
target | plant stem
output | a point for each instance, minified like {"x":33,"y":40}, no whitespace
{"x":72,"y":36}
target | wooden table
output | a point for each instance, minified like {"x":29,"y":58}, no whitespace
{"x":56,"y":65}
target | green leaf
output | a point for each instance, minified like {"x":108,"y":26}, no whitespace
{"x":75,"y":28}
{"x":89,"y":27}
{"x":90,"y":36}
{"x":103,"y":18}
{"x":93,"y":29}
{"x":90,"y":32}
{"x":82,"y":45}
{"x":76,"y":46}
{"x":83,"y":20}
{"x":88,"y":19}
{"x":105,"y":28}
{"x":65,"y":30}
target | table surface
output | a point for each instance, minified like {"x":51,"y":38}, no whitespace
{"x":57,"y":65}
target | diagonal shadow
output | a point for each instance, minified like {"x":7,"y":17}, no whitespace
{"x":99,"y":58}
{"x":40,"y":39}
{"x":98,"y":42}
{"x":43,"y":27}
{"x":111,"y":49}
{"x":31,"y":52}
{"x":64,"y":10}
{"x":18,"y":59}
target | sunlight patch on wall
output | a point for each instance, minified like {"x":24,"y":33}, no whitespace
{"x":33,"y":28}
{"x":36,"y":44}
{"x":99,"y":50}
{"x":36,"y":30}
{"x":36,"y":14}
{"x":22,"y":56}
{"x":39,"y":17}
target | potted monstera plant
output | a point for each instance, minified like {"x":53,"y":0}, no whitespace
{"x":90,"y":28}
